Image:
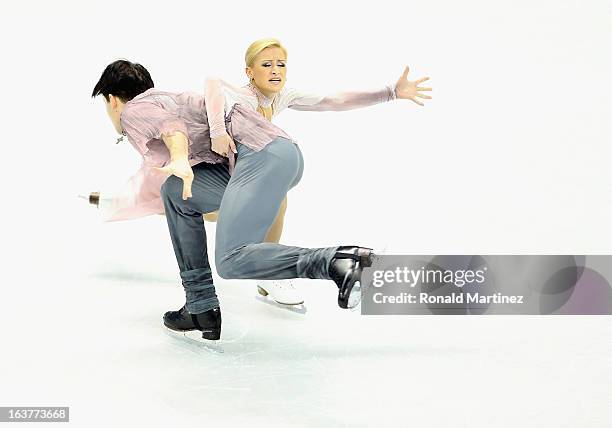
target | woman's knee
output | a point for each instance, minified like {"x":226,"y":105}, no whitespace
{"x":224,"y":268}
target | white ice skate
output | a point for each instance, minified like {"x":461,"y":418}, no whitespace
{"x":282,"y":292}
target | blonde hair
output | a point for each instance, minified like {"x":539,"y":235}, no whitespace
{"x":258,"y":46}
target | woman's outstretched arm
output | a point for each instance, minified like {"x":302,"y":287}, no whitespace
{"x":341,"y":101}
{"x":402,"y":89}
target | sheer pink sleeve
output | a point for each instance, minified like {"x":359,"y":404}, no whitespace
{"x":341,"y":101}
{"x":139,"y":197}
{"x":144,"y":121}
{"x":219,"y":97}
{"x":214,"y":99}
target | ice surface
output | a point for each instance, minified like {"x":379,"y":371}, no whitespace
{"x":94,"y":340}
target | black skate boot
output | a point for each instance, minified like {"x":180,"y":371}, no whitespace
{"x":345,"y":270}
{"x":179,"y":320}
{"x":209,"y":322}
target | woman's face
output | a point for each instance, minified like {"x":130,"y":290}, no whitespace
{"x":269,"y":70}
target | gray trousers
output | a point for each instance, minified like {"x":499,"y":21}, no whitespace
{"x":248,"y":203}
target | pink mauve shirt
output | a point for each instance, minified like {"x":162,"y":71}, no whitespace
{"x":222,"y":108}
{"x":154,"y":113}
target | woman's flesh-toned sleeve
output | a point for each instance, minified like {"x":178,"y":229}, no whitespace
{"x":214,"y":99}
{"x":341,"y":101}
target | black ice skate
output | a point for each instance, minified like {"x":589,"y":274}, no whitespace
{"x":209,"y":322}
{"x":345,"y":270}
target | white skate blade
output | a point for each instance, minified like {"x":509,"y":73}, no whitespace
{"x":266,"y":293}
{"x":356,"y":308}
{"x":298,"y":309}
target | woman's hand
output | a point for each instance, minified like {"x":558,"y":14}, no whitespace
{"x":405,"y":89}
{"x":181,"y":169}
{"x":223,"y":144}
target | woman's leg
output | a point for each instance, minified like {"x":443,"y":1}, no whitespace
{"x":275,"y":232}
{"x":212,"y":217}
{"x":281,"y":291}
{"x":250,"y":204}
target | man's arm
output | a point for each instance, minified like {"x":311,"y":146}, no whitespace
{"x":138,"y":197}
{"x":179,"y":160}
{"x":177,"y":146}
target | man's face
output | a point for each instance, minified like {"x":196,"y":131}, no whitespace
{"x":114,"y":107}
{"x":269,"y":70}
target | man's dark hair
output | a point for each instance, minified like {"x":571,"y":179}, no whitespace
{"x":123,"y":79}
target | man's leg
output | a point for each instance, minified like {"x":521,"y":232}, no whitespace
{"x":188,"y":234}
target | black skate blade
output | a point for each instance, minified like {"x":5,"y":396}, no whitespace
{"x":298,"y":309}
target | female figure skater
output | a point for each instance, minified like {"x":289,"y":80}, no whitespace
{"x":266,"y":69}
{"x":172,"y":130}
